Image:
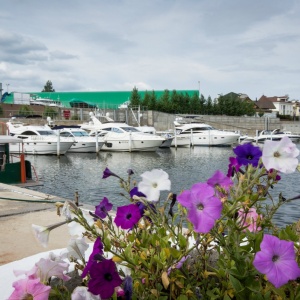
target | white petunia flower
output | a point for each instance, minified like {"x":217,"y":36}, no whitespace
{"x":42,"y":232}
{"x":76,"y":229}
{"x":81,"y":293}
{"x":77,"y":248}
{"x":280,"y":156}
{"x":153,"y":182}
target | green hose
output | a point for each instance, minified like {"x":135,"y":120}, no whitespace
{"x":26,"y":200}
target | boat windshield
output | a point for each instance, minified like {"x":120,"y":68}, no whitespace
{"x":130,"y":129}
{"x":80,"y":133}
{"x":45,"y":132}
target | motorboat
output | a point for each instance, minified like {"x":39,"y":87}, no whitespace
{"x":122,"y":137}
{"x":273,"y":135}
{"x":13,"y":172}
{"x":118,"y":137}
{"x":168,"y":138}
{"x":82,"y":141}
{"x":46,"y":102}
{"x":200,"y":134}
{"x":38,"y":139}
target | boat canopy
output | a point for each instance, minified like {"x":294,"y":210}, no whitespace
{"x":6,"y":139}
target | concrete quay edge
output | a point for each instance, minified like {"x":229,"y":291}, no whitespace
{"x":17,"y":240}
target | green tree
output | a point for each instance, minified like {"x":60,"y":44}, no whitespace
{"x":135,"y":98}
{"x":146,"y":100}
{"x":48,"y":87}
{"x":50,"y":112}
{"x":164,"y":103}
{"x":186,"y":103}
{"x":209,"y":106}
{"x":153,"y":101}
{"x":195,"y":104}
{"x":202,"y":106}
{"x":25,"y":110}
{"x":174,"y":102}
{"x":248,"y":108}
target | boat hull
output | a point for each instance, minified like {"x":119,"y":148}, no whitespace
{"x":215,"y":139}
{"x":41,"y":147}
{"x":85,"y":147}
{"x":181,"y":141}
{"x":113,"y":142}
{"x":167,"y":143}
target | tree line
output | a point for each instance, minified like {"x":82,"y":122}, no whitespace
{"x":174,"y":102}
{"x":182,"y":103}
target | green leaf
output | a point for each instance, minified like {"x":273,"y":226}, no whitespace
{"x":236,"y":284}
{"x":182,"y":241}
{"x":226,"y":297}
{"x":182,"y":297}
{"x":288,"y":234}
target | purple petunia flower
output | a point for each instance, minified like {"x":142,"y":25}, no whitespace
{"x":247,"y":154}
{"x":130,"y":172}
{"x":128,"y":287}
{"x":219,"y":179}
{"x":277,"y":260}
{"x":277,"y":177}
{"x":103,"y":208}
{"x":203,"y":207}
{"x":104,"y":278}
{"x":107,"y":173}
{"x":136,"y":192}
{"x":233,"y":166}
{"x":127,"y":216}
{"x":179,"y":264}
{"x":97,"y":250}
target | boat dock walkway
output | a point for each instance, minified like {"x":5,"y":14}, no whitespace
{"x":19,"y":209}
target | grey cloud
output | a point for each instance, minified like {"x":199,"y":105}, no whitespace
{"x":19,"y":49}
{"x":61,"y":55}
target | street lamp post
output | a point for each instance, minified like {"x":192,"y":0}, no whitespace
{"x":199,"y":89}
{"x":7,"y":85}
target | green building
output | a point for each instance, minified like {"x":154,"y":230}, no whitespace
{"x":103,"y":100}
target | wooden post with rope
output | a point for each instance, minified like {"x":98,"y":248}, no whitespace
{"x":76,"y":198}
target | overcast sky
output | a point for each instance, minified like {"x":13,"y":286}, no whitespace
{"x":241,"y":46}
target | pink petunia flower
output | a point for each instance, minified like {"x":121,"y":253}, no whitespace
{"x":30,"y":289}
{"x":249,"y":219}
{"x":220,"y":180}
{"x":202,"y":205}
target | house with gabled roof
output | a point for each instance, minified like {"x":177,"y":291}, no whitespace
{"x":282,"y":105}
{"x":264,"y":105}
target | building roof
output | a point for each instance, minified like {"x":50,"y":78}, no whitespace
{"x":265,"y":103}
{"x":275,"y":98}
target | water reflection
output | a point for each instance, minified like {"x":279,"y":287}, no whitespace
{"x":82,"y":172}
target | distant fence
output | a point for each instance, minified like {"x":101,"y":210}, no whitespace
{"x":161,"y":121}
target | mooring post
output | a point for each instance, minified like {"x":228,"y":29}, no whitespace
{"x":76,"y":198}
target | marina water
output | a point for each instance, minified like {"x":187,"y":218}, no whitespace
{"x":82,"y":173}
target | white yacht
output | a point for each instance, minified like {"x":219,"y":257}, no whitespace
{"x":82,"y":141}
{"x":46,"y":102}
{"x":272,"y":135}
{"x":122,"y":137}
{"x":38,"y":139}
{"x":200,"y":134}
